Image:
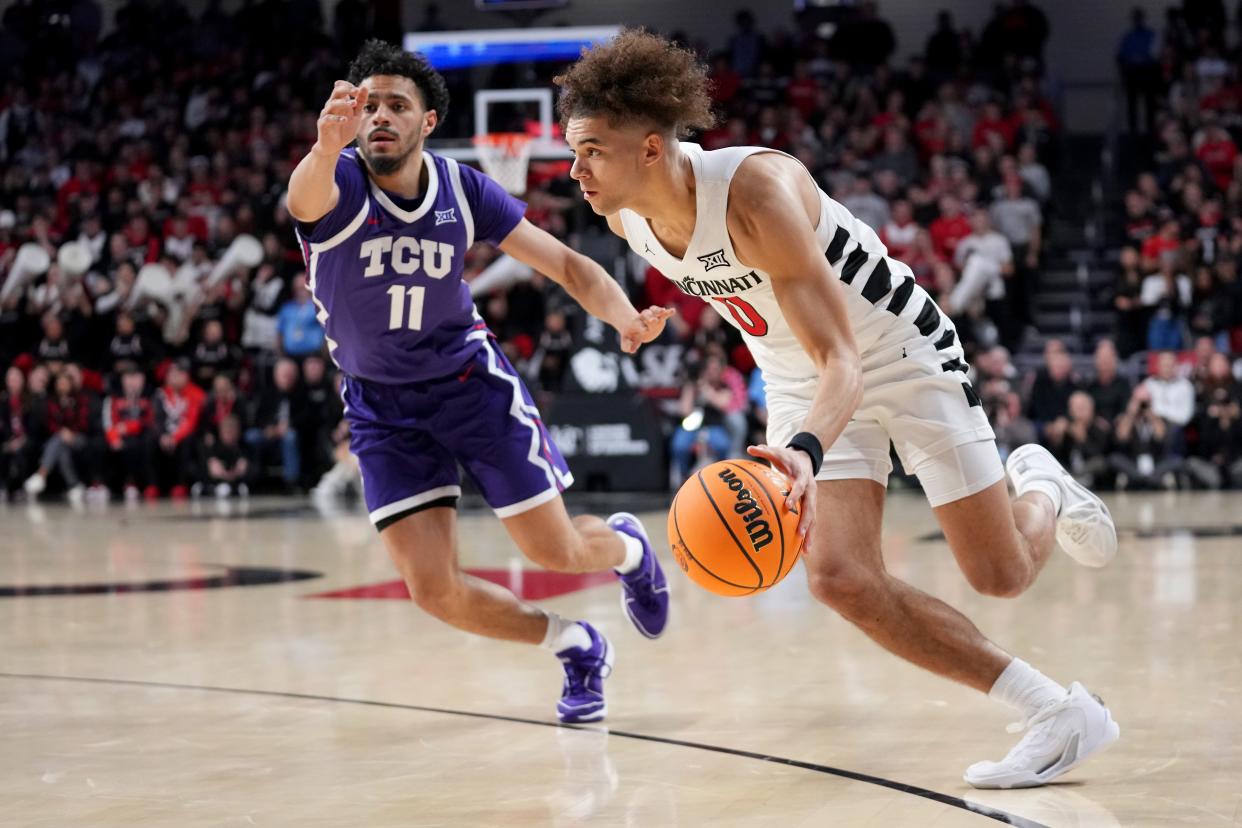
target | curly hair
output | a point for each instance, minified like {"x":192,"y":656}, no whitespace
{"x":638,"y":76}
{"x":380,"y":58}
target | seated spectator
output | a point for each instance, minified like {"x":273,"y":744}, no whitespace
{"x":986,"y":263}
{"x":213,"y":355}
{"x":178,"y":406}
{"x":1217,"y":458}
{"x":1109,"y":391}
{"x":54,"y":348}
{"x":950,"y":228}
{"x":868,"y":207}
{"x":227,"y":467}
{"x":1164,"y":245}
{"x":68,"y":424}
{"x":1172,"y":398}
{"x":706,"y":402}
{"x":1142,"y":456}
{"x":344,"y":474}
{"x":551,"y":357}
{"x":16,"y":447}
{"x":126,"y":344}
{"x":299,"y":332}
{"x":1004,"y":409}
{"x":1034,"y":174}
{"x":1049,"y":399}
{"x":324,"y":410}
{"x":900,"y":232}
{"x":222,"y":402}
{"x":274,"y":430}
{"x":129,"y":426}
{"x":1082,"y":440}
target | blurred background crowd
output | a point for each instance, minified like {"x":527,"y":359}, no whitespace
{"x":169,"y":141}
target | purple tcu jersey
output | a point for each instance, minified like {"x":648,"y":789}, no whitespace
{"x":385,"y":272}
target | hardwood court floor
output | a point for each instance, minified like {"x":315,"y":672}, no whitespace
{"x":246,"y":700}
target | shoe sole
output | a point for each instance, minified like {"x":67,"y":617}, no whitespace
{"x":625,"y":606}
{"x":595,"y":715}
{"x":1035,"y":780}
{"x":1067,"y":479}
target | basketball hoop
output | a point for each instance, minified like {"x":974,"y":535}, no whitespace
{"x":505,"y":156}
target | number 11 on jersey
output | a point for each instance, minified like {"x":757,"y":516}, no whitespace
{"x":397,"y":307}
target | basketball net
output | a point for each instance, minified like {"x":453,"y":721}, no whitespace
{"x":505,"y":156}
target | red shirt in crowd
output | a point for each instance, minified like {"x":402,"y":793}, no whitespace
{"x":181,"y":409}
{"x":1218,"y":157}
{"x":947,"y":232}
{"x":985,"y":127}
{"x":126,"y":417}
{"x":72,"y":413}
{"x":1156,"y":245}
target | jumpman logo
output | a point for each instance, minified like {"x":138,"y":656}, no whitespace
{"x":646,"y":247}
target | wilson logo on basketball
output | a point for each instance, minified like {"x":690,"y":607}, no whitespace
{"x":749,"y":509}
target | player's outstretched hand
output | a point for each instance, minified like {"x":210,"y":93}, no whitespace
{"x":341,"y":116}
{"x":795,"y":465}
{"x":648,"y":325}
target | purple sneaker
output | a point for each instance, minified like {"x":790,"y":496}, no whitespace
{"x":645,"y":590}
{"x":582,"y":698}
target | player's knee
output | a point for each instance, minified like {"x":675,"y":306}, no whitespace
{"x":846,"y":586}
{"x":998,"y":581}
{"x":556,"y":555}
{"x":435,"y":596}
{"x":435,"y":591}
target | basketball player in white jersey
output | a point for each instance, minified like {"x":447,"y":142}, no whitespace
{"x":854,"y":355}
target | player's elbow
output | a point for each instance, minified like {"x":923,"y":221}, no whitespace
{"x":305,"y":209}
{"x":845,"y":369}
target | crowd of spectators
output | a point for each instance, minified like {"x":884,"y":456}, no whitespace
{"x":172,"y":137}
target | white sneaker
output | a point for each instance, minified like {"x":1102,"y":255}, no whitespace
{"x":1059,"y":737}
{"x":1085,"y":528}
{"x":34,"y":485}
{"x":77,"y":496}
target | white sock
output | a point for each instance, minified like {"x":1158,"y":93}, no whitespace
{"x":562,"y":634}
{"x":633,"y":554}
{"x":1049,"y":488}
{"x":1025,"y":689}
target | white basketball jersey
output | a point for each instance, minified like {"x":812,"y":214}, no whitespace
{"x":886,"y":308}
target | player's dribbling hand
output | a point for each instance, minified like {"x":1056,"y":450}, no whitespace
{"x":648,"y":325}
{"x":341,"y":116}
{"x":796,"y":466}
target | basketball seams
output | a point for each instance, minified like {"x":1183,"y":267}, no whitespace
{"x":707,"y":493}
{"x":776,"y":515}
{"x":697,"y":562}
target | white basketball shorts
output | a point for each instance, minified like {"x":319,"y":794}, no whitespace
{"x":929,"y":412}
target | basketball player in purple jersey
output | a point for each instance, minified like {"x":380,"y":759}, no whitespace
{"x":384,"y":228}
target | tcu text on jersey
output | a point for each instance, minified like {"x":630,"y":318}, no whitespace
{"x":406,"y":255}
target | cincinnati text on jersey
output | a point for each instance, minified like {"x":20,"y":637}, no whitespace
{"x":718,"y":287}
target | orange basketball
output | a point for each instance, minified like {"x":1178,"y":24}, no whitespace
{"x":730,"y":530}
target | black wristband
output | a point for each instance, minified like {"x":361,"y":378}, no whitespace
{"x":808,"y":442}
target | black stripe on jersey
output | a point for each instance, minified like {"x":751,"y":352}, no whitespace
{"x":953,"y":365}
{"x":878,"y":283}
{"x":946,"y":341}
{"x":853,"y":262}
{"x":837,"y":247}
{"x":971,"y":397}
{"x":901,"y":296}
{"x":928,"y":318}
